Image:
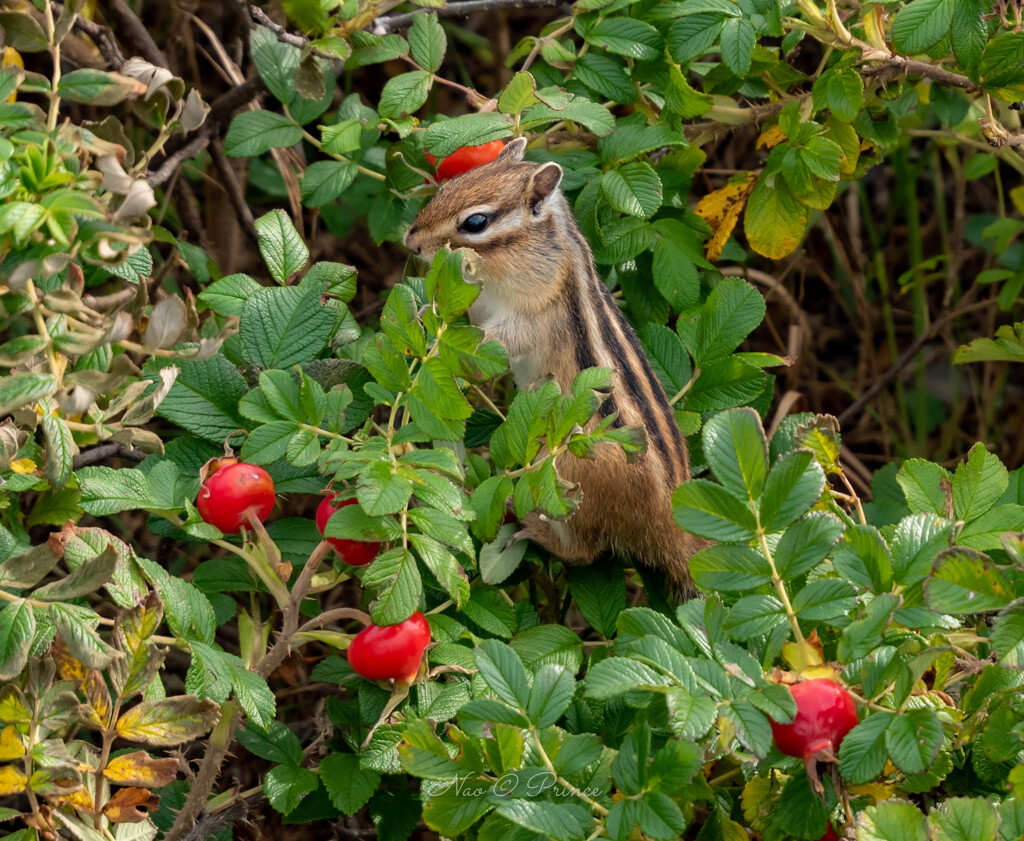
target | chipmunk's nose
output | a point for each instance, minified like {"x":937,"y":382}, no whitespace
{"x":409,"y":240}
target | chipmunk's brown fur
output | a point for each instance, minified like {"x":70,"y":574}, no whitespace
{"x":542,"y":298}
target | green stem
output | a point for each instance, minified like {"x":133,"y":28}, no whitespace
{"x":593,"y":804}
{"x":370,"y":172}
{"x":780,"y":588}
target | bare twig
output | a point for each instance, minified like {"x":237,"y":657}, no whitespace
{"x":170,"y":166}
{"x":384,"y":25}
{"x":284,"y":36}
{"x":101,"y":36}
{"x":132,"y":30}
{"x":104,"y":451}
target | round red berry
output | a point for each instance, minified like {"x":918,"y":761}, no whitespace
{"x":464,"y":159}
{"x":390,"y":651}
{"x":234,"y":494}
{"x":825,"y":713}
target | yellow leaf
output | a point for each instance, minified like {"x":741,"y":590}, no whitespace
{"x":23,"y":466}
{"x":80,"y":800}
{"x":755,"y":799}
{"x":721,"y":210}
{"x":67,"y":666}
{"x":12,"y":58}
{"x":13,"y":709}
{"x":775,"y":220}
{"x":12,"y":780}
{"x":1017,"y":195}
{"x":771,"y":136}
{"x":169,"y":721}
{"x":138,"y":768}
{"x":804,"y":655}
{"x":11,"y":746}
{"x":876,"y":791}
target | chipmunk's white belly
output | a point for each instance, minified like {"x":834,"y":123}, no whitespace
{"x":523,"y":338}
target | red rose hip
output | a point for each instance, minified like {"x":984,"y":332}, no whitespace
{"x":825,"y":713}
{"x":233,"y":494}
{"x":355,"y":553}
{"x":390,"y":651}
{"x":464,"y":159}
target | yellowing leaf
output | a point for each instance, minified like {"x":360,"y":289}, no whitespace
{"x":23,"y":466}
{"x":804,"y":655}
{"x":80,"y":800}
{"x":721,"y":210}
{"x":775,"y":220}
{"x":11,"y":746}
{"x":877,"y":791}
{"x":168,"y":721}
{"x":770,"y":137}
{"x":756,"y":799}
{"x":1017,"y":195}
{"x":68,"y":667}
{"x":13,"y":709}
{"x":126,"y":806}
{"x":12,"y":780}
{"x":12,"y":58}
{"x":140,"y":769}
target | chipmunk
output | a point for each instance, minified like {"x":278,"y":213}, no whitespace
{"x":541,"y":297}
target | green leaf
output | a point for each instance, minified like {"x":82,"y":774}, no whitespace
{"x":626,"y":36}
{"x":618,"y":675}
{"x":85,"y":579}
{"x":228,"y":295}
{"x":404,"y":94}
{"x":324,"y":181}
{"x":352,"y":523}
{"x":800,"y":813}
{"x":519,"y":94}
{"x":964,"y":819}
{"x":966,"y":581}
{"x":282,"y":248}
{"x":427,"y":42}
{"x":733,"y":309}
{"x":451,"y":814}
{"x":806,"y":543}
{"x":737,"y":451}
{"x":275,"y":742}
{"x":733,"y":568}
{"x":752,"y":727}
{"x":252,"y":692}
{"x":920,"y":25}
{"x":600,"y":594}
{"x":826,"y":598}
{"x":891,"y":820}
{"x":286,"y":785}
{"x":396,"y":577}
{"x":709,"y":510}
{"x":978,"y":483}
{"x":446,"y":136}
{"x":285,"y":326}
{"x":106,"y":490}
{"x":382,"y":491}
{"x":17,"y":627}
{"x":255,"y":132}
{"x":794,"y":484}
{"x":559,"y":821}
{"x":754,"y":616}
{"x":503,"y":671}
{"x":841,"y":90}
{"x":634,"y":189}
{"x":1007,"y":636}
{"x":550,"y":695}
{"x":276,"y":62}
{"x":969,"y":33}
{"x":17,"y":390}
{"x":913,"y":739}
{"x":864,"y":558}
{"x":349,"y":785}
{"x":926,"y":486}
{"x":675,"y":272}
{"x":865,"y":632}
{"x":96,"y":87}
{"x":667,"y":356}
{"x":591,"y":115}
{"x":1001,"y":70}
{"x":738,"y":41}
{"x":862,"y":753}
{"x":692,"y":36}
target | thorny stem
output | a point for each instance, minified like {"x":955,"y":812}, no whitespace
{"x":780,"y":588}
{"x":593,"y":804}
{"x":108,"y":742}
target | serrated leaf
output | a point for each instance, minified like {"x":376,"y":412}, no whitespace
{"x":282,"y":248}
{"x":254,"y":132}
{"x":168,"y":721}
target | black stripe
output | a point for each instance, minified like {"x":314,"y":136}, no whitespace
{"x":577,"y":329}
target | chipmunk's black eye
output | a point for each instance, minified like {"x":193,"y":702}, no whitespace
{"x":474,"y":224}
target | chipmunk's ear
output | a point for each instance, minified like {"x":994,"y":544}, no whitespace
{"x":544,"y":182}
{"x":513,"y":151}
